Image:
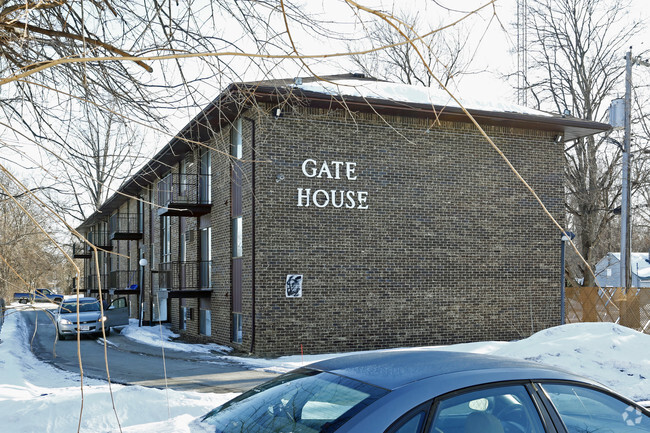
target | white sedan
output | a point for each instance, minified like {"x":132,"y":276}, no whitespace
{"x":90,"y":318}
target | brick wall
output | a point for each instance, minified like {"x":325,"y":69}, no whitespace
{"x":451,"y":247}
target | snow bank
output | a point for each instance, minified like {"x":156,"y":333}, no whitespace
{"x":613,"y":355}
{"x":36,"y":397}
{"x":155,"y":335}
{"x":616,"y":356}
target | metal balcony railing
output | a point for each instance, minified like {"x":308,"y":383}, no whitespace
{"x":100,"y":239}
{"x":193,"y":275}
{"x":122,"y":279}
{"x":184,"y":195}
{"x":92,"y":282}
{"x":125,"y":226}
{"x":80,"y":250}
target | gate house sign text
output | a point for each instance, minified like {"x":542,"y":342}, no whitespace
{"x":338,"y":198}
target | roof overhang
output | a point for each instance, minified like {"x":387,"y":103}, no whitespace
{"x":229,"y":104}
{"x":568,"y":128}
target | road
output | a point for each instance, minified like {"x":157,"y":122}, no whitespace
{"x":133,"y":363}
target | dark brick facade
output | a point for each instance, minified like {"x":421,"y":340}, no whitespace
{"x":407,"y":231}
{"x":451,"y":247}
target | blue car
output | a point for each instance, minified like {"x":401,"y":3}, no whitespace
{"x":428,"y":391}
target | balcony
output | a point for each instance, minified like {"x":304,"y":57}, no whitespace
{"x":124,"y":282}
{"x":125,"y":227}
{"x":185,"y":279}
{"x":92,"y":283}
{"x":118,"y":280}
{"x":80,"y":250}
{"x":99,"y":238}
{"x":185,"y":195}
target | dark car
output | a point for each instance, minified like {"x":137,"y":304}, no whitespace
{"x":429,"y":391}
{"x":38,"y":295}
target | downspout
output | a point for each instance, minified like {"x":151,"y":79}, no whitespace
{"x":253,"y":157}
{"x":151,"y":254}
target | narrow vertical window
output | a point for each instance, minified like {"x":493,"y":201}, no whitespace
{"x":237,"y":238}
{"x":236,"y":229}
{"x":182,"y":178}
{"x":206,"y":257}
{"x":236,"y":150}
{"x":237,"y":328}
{"x":165,"y":240}
{"x":182,"y":246}
{"x":184,"y":311}
{"x":205,"y":172}
{"x":205,"y":317}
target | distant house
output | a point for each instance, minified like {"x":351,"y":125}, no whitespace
{"x":608,"y":270}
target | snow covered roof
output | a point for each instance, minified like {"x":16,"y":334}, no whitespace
{"x":399,"y":92}
{"x":349,"y":91}
{"x":359,"y":93}
{"x":638,"y":263}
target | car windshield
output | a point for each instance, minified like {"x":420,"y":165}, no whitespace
{"x":303,"y":401}
{"x":84,"y":306}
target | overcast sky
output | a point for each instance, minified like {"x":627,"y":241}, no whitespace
{"x":493,"y":43}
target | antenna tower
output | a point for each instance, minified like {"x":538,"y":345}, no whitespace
{"x":522,"y":52}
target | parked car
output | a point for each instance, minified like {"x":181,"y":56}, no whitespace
{"x":39,"y":295}
{"x":90,"y":317}
{"x":428,"y":391}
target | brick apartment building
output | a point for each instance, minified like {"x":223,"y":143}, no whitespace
{"x":344,"y":214}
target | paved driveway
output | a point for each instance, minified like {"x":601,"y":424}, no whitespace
{"x":139,"y":364}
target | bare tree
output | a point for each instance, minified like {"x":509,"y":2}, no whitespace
{"x":28,"y":258}
{"x":47,"y":100}
{"x":102,"y":152}
{"x":445,"y":52}
{"x":576,"y":63}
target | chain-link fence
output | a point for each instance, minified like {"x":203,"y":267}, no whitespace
{"x":609,"y":304}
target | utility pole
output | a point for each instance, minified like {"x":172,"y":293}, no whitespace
{"x":625,"y":185}
{"x":522,"y":52}
{"x":625,"y":273}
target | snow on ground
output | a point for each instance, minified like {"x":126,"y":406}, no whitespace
{"x":613,"y":355}
{"x":154,"y":335}
{"x":36,"y":397}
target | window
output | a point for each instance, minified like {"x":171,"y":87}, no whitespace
{"x":165,"y":239}
{"x":184,"y":313}
{"x":182,"y":245}
{"x":141,"y":215}
{"x":205,"y":317}
{"x":237,"y":237}
{"x":588,"y":410}
{"x":300,"y":401}
{"x":237,"y":328}
{"x":205,"y":186}
{"x":236,"y":230}
{"x":165,"y":190}
{"x":182,"y":177}
{"x":488,"y":410}
{"x":236,"y":149}
{"x":118,"y":303}
{"x":412,"y":422}
{"x":205,"y":274}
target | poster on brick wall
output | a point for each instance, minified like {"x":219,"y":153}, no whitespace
{"x":293,"y":286}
